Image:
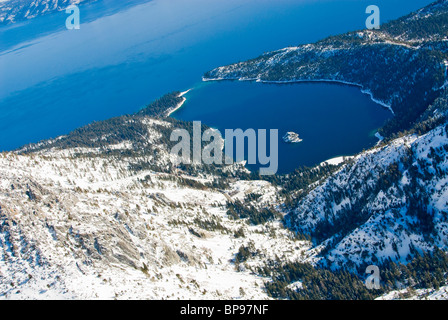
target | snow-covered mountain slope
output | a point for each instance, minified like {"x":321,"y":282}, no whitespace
{"x":386,"y":203}
{"x":82,"y":223}
{"x":101,"y":213}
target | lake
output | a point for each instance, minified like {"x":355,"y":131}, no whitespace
{"x":128,"y":53}
{"x":331,"y":119}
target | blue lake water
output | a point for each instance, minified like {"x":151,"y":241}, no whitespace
{"x":333,"y":120}
{"x":128,"y":53}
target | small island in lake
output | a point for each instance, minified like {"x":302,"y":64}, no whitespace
{"x":292,"y":137}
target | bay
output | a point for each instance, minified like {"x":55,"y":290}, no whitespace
{"x":332,"y":119}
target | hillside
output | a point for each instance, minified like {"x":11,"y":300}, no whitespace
{"x":112,"y":221}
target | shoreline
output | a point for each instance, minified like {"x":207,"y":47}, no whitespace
{"x":171,"y":111}
{"x":364,"y":91}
